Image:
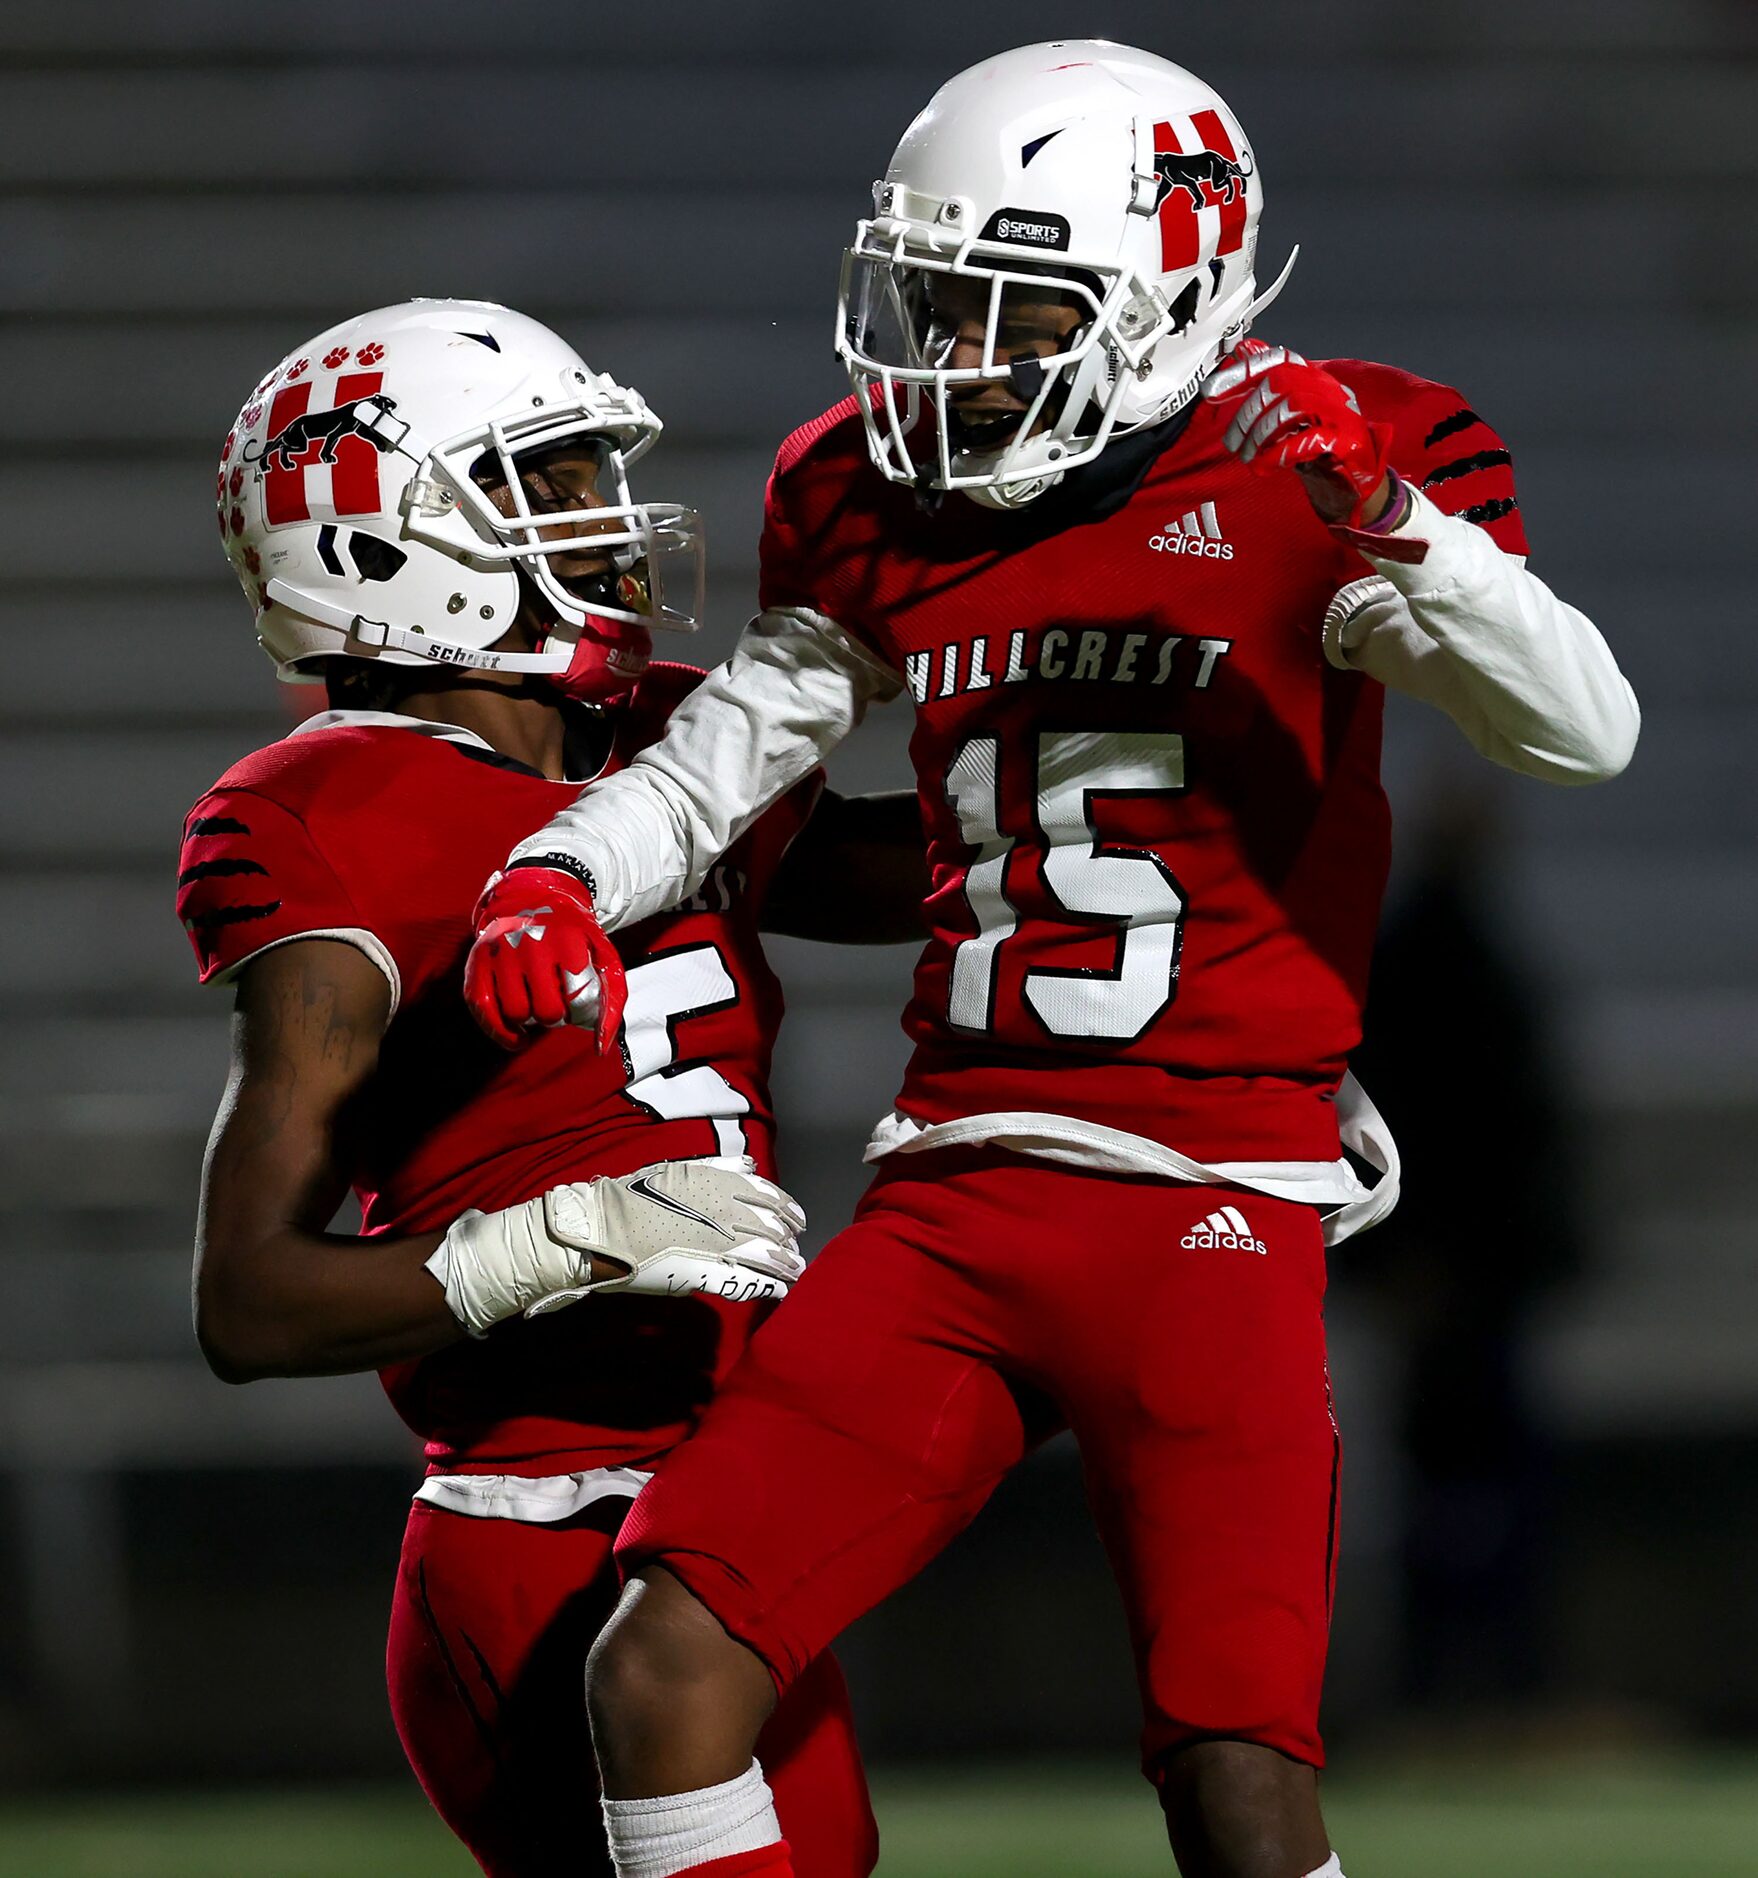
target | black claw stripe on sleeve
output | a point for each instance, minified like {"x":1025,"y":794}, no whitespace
{"x":1466,"y":466}
{"x":230,"y":916}
{"x":210,"y":870}
{"x":1491,"y":511}
{"x":1461,"y":419}
{"x":217,"y":825}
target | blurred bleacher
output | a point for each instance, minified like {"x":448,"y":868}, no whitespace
{"x":1548,"y":205}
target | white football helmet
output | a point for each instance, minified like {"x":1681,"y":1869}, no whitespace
{"x":351,"y":516}
{"x":1114,"y":177}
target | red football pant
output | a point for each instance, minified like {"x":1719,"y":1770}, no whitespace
{"x":490,"y":1627}
{"x":873,"y":1415}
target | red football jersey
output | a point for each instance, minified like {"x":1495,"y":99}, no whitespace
{"x":386,"y":833}
{"x":1156,"y":831}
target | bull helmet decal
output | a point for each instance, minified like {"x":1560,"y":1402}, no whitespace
{"x":369,"y":417}
{"x":1200,"y":173}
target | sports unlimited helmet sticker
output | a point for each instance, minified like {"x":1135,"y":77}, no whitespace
{"x":1031,"y":228}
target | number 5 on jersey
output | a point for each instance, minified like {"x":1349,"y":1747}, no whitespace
{"x":666,"y":991}
{"x":1097,"y":884}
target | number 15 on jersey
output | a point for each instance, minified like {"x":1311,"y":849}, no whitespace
{"x":1097,"y":884}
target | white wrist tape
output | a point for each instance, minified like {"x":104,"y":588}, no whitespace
{"x":497,"y":1265}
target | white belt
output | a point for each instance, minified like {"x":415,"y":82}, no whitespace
{"x":542,"y":1500}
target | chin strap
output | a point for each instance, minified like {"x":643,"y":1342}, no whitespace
{"x":375,"y":633}
{"x":380,"y":636}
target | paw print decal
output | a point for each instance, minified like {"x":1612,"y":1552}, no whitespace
{"x":237,"y":520}
{"x":337,"y":355}
{"x":369,"y":354}
{"x":226,"y":447}
{"x":253,"y":560}
{"x":298,"y":370}
{"x":238,"y":480}
{"x":248,"y":416}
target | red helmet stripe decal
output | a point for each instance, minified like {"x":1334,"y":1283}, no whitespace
{"x":352,"y":459}
{"x":1208,"y":126}
{"x":354,"y":474}
{"x":284,"y":489}
{"x":1180,"y":235}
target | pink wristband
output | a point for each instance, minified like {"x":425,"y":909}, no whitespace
{"x":1397,"y":510}
{"x":1380,"y":539}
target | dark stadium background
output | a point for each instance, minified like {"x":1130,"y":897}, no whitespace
{"x":1547,"y":1373}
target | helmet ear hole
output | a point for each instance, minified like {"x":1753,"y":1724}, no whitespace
{"x":1183,"y":310}
{"x":374,"y":559}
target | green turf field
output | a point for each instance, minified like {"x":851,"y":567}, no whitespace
{"x":1658,"y":1818}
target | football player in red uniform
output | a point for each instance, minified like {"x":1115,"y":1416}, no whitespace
{"x":429,"y":509}
{"x":1146,"y":582}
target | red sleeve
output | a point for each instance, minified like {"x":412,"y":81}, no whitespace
{"x":1460,"y":464}
{"x":250,"y":877}
{"x":780,"y":581}
{"x":1440,"y":444}
{"x":783,"y":579}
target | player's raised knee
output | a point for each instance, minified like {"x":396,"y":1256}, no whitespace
{"x":662,"y":1658}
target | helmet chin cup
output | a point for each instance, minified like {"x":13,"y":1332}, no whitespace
{"x":607,"y":663}
{"x":1015,"y":493}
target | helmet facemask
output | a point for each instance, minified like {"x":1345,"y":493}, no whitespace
{"x":587,"y":558}
{"x":600,"y":637}
{"x":654,"y":574}
{"x":895,"y":333}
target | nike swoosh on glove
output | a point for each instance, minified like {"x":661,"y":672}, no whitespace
{"x":705,"y":1228}
{"x":1294,"y":415}
{"x":540,"y":959}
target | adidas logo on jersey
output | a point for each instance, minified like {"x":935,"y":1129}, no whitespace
{"x":1226,"y":1229}
{"x":1198,"y":533}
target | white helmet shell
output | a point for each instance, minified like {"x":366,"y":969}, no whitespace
{"x":350,"y":514}
{"x":1118,"y":178}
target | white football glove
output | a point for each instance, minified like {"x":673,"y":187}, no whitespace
{"x":709,"y":1228}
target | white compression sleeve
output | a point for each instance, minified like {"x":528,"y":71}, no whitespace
{"x":679,"y":1831}
{"x":795,"y":686}
{"x":1468,"y":629}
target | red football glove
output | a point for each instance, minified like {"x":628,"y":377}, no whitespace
{"x":539,"y":956}
{"x":1295,"y":415}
